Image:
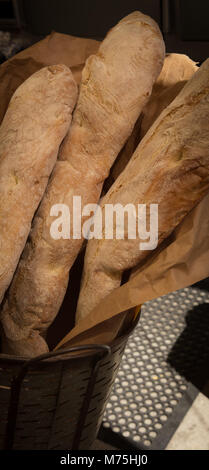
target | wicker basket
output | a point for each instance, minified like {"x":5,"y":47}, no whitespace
{"x":57,"y":400}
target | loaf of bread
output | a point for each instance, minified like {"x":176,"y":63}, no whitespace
{"x":116,"y":84}
{"x":177,"y":70}
{"x":37,"y":120}
{"x":124,"y":156}
{"x":170,"y":167}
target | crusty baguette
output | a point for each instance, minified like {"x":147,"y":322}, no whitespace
{"x":37,"y":120}
{"x":124,"y":156}
{"x":177,"y":70}
{"x":170,"y":167}
{"x":116,"y":84}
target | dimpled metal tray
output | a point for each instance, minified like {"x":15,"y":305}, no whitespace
{"x":164,"y":365}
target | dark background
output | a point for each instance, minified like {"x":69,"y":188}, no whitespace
{"x":184,"y":23}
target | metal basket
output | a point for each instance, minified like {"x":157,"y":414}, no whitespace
{"x":57,"y":400}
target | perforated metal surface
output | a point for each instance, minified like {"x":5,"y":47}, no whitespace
{"x":168,"y":351}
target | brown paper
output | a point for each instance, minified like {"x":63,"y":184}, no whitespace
{"x":55,"y":48}
{"x":181,"y":261}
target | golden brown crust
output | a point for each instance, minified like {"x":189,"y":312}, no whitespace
{"x":35,"y":124}
{"x":170,"y":167}
{"x":116,"y":83}
{"x":177,"y":70}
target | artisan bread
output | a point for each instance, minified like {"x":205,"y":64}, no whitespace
{"x":124,"y":156}
{"x":177,"y":70}
{"x":116,"y":84}
{"x":37,"y":120}
{"x":170,"y":167}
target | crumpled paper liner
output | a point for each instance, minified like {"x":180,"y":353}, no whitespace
{"x":180,"y":261}
{"x":54,"y":49}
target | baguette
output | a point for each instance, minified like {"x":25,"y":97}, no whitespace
{"x":116,"y":84}
{"x":177,"y":70}
{"x":170,"y":167}
{"x":37,"y":120}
